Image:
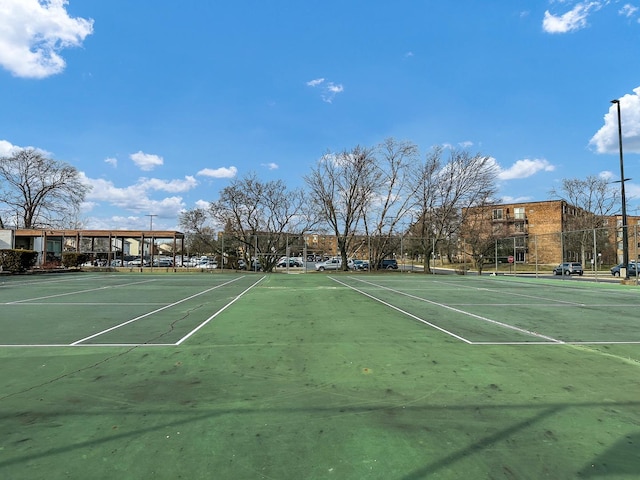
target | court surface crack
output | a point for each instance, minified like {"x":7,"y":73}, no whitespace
{"x":104,"y":360}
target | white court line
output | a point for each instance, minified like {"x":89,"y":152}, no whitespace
{"x":404,"y":312}
{"x":535,"y":297}
{"x":563,"y":343}
{"x":473,"y":315}
{"x":85,"y":304}
{"x":217,"y":313}
{"x":77,"y":292}
{"x":57,"y":345}
{"x":154,"y":311}
{"x":54,"y":279}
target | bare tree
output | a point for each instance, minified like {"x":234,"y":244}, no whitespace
{"x":480,"y":236}
{"x":445,"y":191}
{"x":200,"y":235}
{"x":39,"y":191}
{"x":341,"y":186}
{"x":262,"y":217}
{"x":591,"y":200}
{"x":393,"y":197}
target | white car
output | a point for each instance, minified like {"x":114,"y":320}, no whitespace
{"x":207,"y":264}
{"x":333,"y":264}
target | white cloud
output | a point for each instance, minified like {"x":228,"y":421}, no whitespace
{"x":607,"y":175}
{"x":606,"y":139}
{"x":146,"y":161}
{"x":136,"y":197}
{"x":328,"y":90}
{"x":203,"y":204}
{"x":331,"y":91}
{"x":111,"y":161}
{"x":271,"y":165}
{"x":574,"y":19}
{"x":508,"y":199}
{"x":7,"y":149}
{"x":628,"y":10}
{"x":315,"y":83}
{"x":171,"y":186}
{"x":33,"y":32}
{"x":525,"y":168}
{"x":222,"y":172}
{"x":464,"y":145}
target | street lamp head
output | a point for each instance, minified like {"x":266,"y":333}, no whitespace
{"x":615,"y":101}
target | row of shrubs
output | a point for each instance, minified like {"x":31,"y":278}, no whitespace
{"x":17,"y":261}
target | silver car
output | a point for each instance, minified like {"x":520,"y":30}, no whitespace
{"x":568,"y":268}
{"x":333,"y":264}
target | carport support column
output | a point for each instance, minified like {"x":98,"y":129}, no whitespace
{"x":141,"y":250}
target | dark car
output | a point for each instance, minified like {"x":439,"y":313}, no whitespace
{"x":568,"y":268}
{"x":388,"y":264}
{"x":289,"y":263}
{"x":255,"y":265}
{"x":360,"y":265}
{"x":631,"y":270}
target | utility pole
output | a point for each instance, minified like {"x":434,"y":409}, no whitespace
{"x":625,"y":236}
{"x":151,"y":220}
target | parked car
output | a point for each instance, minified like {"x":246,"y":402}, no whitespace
{"x":388,"y":264}
{"x":292,"y":262}
{"x":360,"y":265}
{"x":331,"y":264}
{"x":255,"y":265}
{"x":334,"y":263}
{"x":568,"y":268}
{"x":242,"y":265}
{"x":138,"y":262}
{"x":207,"y":264}
{"x":631,"y":270}
{"x":163,"y":262}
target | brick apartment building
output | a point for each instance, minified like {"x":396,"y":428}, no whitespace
{"x":540,"y":230}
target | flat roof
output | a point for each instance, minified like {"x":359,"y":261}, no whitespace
{"x":53,"y":232}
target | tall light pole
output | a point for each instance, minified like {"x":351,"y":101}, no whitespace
{"x":625,"y":237}
{"x":151,"y":221}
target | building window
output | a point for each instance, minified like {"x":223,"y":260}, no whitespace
{"x":518,"y":213}
{"x":497,"y":214}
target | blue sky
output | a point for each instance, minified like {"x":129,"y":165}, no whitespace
{"x":161,"y":104}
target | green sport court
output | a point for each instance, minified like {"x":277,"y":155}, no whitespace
{"x":391,"y":376}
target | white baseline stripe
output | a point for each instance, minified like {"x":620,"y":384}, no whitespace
{"x":217,"y":313}
{"x":78,"y":291}
{"x":52,"y":279}
{"x":83,"y":304}
{"x":403,"y":311}
{"x":151,"y":313}
{"x":473,"y":315}
{"x":66,"y":345}
{"x":535,"y":297}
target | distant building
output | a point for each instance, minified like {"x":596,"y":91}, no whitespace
{"x":106,"y":244}
{"x":541,"y":232}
